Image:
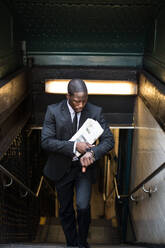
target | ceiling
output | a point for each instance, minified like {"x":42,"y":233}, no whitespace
{"x":84,"y":25}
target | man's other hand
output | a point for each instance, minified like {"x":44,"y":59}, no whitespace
{"x":82,"y":147}
{"x":86,"y":160}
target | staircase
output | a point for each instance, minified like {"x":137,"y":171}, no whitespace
{"x":50,"y":235}
{"x":61,"y":246}
{"x":101,"y":232}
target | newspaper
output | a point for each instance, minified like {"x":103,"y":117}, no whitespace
{"x":89,"y":132}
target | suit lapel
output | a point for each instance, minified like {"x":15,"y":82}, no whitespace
{"x":67,"y":116}
{"x":84,"y":116}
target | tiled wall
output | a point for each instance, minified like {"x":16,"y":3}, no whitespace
{"x":10,"y":58}
{"x":154,"y":57}
{"x":86,"y":33}
{"x":148,"y":154}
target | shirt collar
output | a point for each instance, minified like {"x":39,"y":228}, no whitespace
{"x":71,"y":110}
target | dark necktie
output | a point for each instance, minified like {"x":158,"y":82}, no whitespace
{"x":75,"y":123}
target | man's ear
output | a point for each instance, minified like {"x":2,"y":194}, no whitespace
{"x":67,"y":96}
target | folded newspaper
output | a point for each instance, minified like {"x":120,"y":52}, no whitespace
{"x":89,"y":132}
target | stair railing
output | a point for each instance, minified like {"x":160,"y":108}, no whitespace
{"x":140,"y":185}
{"x":28,"y":190}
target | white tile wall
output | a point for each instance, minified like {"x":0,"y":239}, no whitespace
{"x":148,"y":154}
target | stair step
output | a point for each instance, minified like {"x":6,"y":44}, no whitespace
{"x":97,"y":235}
{"x":61,"y":246}
{"x":94,"y":222}
{"x":100,"y":232}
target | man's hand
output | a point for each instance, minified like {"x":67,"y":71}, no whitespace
{"x":82,"y":147}
{"x":86,"y":160}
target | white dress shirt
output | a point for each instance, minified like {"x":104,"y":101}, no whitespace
{"x":72,"y":113}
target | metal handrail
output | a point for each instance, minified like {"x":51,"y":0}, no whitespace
{"x":147,"y":179}
{"x":8,"y":184}
{"x":7,"y":173}
{"x":117,"y":192}
{"x":106,"y":178}
{"x":39,"y":187}
{"x":53,"y":192}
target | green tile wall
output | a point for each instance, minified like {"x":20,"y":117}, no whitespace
{"x":98,"y":27}
{"x":9,"y":53}
{"x":154,"y":60}
{"x":83,"y":27}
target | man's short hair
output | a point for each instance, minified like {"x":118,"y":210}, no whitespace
{"x":77,"y":85}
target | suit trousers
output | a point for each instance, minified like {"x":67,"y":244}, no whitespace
{"x":81,"y":182}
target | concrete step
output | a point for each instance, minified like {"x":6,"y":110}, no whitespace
{"x":61,"y":246}
{"x":100,"y":232}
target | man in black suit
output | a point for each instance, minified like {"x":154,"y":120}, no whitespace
{"x":67,"y":171}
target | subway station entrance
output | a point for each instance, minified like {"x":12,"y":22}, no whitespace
{"x":113,"y":41}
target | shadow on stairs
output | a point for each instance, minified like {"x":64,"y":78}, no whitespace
{"x":101,"y":232}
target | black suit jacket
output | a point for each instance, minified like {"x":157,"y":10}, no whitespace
{"x":56,"y":132}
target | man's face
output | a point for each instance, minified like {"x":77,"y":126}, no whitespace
{"x":77,"y":101}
